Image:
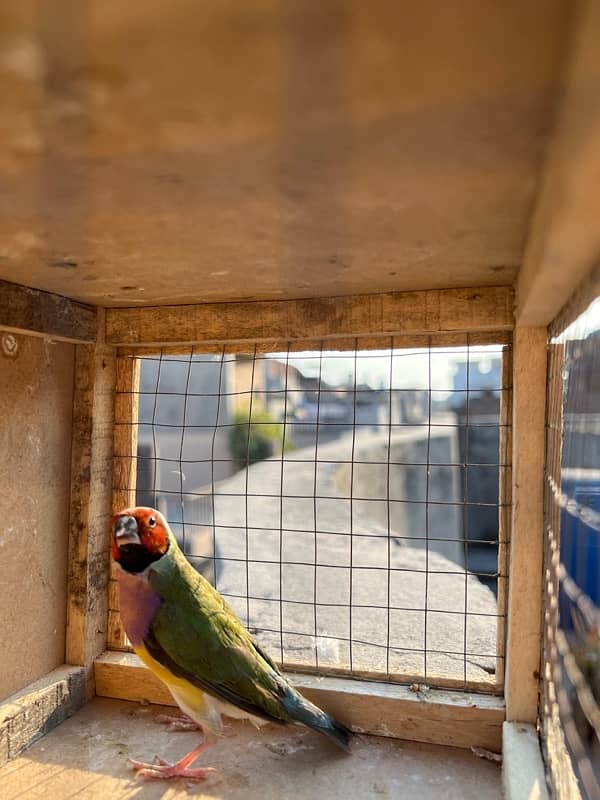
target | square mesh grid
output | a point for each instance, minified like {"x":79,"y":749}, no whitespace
{"x":346,"y":504}
{"x":570,"y":707}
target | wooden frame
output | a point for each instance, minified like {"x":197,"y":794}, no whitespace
{"x":124,"y":471}
{"x":562,"y":241}
{"x":526,"y":548}
{"x":332,"y":343}
{"x":31,"y":712}
{"x":163,"y":330}
{"x":24,"y":310}
{"x":428,"y":312}
{"x":91,"y":470}
{"x":125,"y":460}
{"x":558,"y":762}
{"x":415,"y":319}
{"x":505,"y":509}
{"x":560,"y":736}
{"x":434,"y":715}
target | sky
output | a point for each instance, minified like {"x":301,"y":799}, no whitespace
{"x":409,"y":369}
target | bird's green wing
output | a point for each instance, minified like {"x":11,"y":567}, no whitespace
{"x":197,"y":636}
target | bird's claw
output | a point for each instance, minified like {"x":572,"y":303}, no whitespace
{"x":184,"y":723}
{"x":161,"y":769}
{"x":167,"y":771}
{"x":164,"y":769}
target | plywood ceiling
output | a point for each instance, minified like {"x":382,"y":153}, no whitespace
{"x":174,"y":152}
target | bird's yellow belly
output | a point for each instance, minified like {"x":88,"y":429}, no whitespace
{"x":198,"y":705}
{"x":181,"y":688}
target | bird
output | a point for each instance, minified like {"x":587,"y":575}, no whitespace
{"x":184,"y":631}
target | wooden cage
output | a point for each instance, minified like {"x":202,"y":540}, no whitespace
{"x":84,"y":297}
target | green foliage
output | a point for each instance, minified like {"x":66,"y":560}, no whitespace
{"x":256,"y":440}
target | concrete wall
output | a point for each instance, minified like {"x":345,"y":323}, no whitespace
{"x":409,"y":488}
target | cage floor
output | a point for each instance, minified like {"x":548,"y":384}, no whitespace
{"x":85,"y":757}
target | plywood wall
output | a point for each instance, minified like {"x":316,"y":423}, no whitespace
{"x":36,"y":393}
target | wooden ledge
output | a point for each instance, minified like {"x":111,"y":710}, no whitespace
{"x":436,"y":716}
{"x":36,"y":709}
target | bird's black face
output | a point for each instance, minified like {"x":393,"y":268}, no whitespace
{"x":139,"y":537}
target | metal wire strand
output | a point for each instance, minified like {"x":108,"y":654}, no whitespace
{"x":365,"y":584}
{"x":570,"y":691}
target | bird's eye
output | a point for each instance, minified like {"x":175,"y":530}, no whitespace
{"x":151,"y":522}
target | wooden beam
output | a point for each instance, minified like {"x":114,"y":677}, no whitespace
{"x":564,"y":238}
{"x":349,"y":343}
{"x":504,"y":511}
{"x":32,"y":712}
{"x":435,"y":311}
{"x":91,"y":486}
{"x":24,"y":310}
{"x":526,"y":547}
{"x":436,"y":716}
{"x":124,"y":472}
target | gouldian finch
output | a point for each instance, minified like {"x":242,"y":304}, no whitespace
{"x":183,"y":630}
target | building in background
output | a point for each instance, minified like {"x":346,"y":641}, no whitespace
{"x":443,"y":446}
{"x":477,"y":384}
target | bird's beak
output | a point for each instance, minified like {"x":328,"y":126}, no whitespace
{"x":126,"y":531}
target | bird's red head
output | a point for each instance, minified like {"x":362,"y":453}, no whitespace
{"x":139,"y":536}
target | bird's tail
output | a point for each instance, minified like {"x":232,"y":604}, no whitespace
{"x":302,"y":710}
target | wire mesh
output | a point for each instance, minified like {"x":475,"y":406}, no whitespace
{"x":346,"y":504}
{"x":570,"y":712}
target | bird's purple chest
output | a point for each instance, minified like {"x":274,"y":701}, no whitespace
{"x":138,"y":605}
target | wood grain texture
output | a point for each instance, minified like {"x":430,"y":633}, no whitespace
{"x":91,"y":480}
{"x":434,"y":311}
{"x":32,"y":712}
{"x":504,"y":510}
{"x":125,"y":431}
{"x":526,"y":547}
{"x":559,"y":764}
{"x":347,"y":343}
{"x":558,"y":759}
{"x":124,"y":472}
{"x":564,"y":239}
{"x":365,"y":149}
{"x":24,"y":310}
{"x":485,"y":686}
{"x":36,"y":396}
{"x":435,"y":716}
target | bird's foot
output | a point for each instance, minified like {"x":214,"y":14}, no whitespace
{"x":183,"y":723}
{"x":162,"y":769}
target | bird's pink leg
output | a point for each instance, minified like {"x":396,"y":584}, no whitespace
{"x":183,"y":723}
{"x":163,"y":769}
